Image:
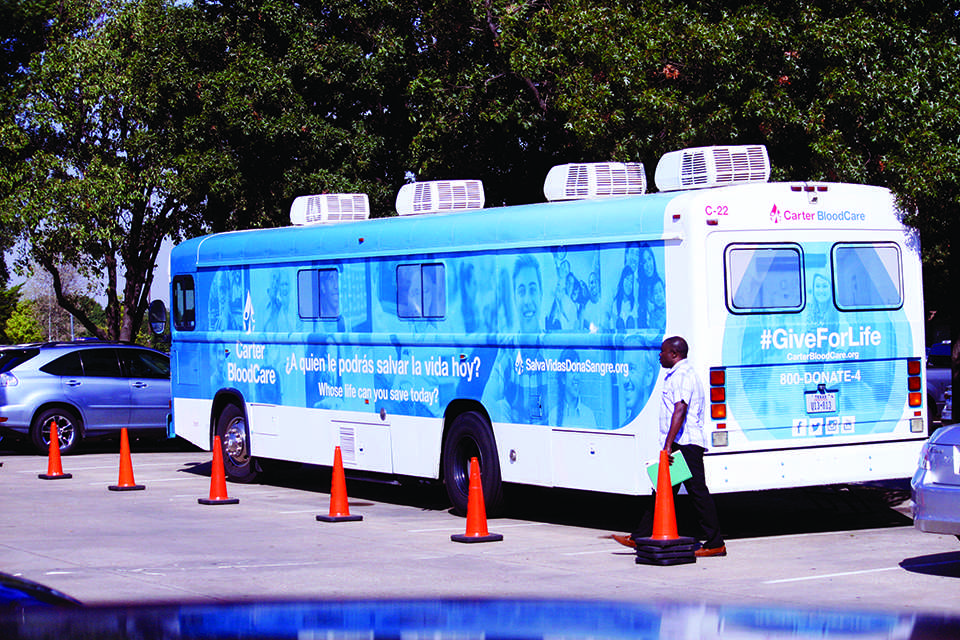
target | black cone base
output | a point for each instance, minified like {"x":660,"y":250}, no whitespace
{"x":490,"y":537}
{"x":679,"y":550}
{"x":323,"y":518}
{"x":126,"y":487}
{"x":218,"y":500}
{"x":58,"y":476}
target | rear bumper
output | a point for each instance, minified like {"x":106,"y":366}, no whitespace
{"x":936,"y":507}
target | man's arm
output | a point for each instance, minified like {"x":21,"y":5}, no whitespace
{"x":676,"y":423}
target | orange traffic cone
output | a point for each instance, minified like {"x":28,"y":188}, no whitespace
{"x":664,"y":513}
{"x":54,"y":468}
{"x":476,"y":512}
{"x":664,"y":546}
{"x":218,"y":480}
{"x":339,"y":509}
{"x":125,"y":482}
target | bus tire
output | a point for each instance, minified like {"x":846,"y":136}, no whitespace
{"x":470,"y":436}
{"x":69,"y":430}
{"x":238,"y":465}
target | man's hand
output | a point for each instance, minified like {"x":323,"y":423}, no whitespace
{"x":669,"y":456}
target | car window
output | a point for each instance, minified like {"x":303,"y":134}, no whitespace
{"x":145,"y":364}
{"x":100,"y":363}
{"x":10,"y":358}
{"x":66,"y":365}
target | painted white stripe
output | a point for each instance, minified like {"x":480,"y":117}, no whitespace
{"x":825,"y":576}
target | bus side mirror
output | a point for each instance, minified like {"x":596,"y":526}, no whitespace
{"x":157,"y":316}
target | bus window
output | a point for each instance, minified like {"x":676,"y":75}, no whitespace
{"x":421,"y":291}
{"x":329,"y":281}
{"x":764,"y":278}
{"x":307,"y":291}
{"x":434,"y":291}
{"x":184,"y":307}
{"x":867,"y":276}
{"x":318,"y":293}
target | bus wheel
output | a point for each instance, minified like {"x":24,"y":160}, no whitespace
{"x":471,"y":436}
{"x":232,"y":429}
{"x":68,"y":430}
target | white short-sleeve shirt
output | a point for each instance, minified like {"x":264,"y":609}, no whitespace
{"x":682,"y":383}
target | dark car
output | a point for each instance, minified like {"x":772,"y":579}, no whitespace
{"x":89,"y":388}
{"x":938,"y":381}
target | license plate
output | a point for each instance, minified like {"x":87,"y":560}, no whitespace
{"x":822,"y":402}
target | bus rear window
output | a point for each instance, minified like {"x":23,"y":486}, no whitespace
{"x":184,"y":305}
{"x":867,"y":276}
{"x":764,"y":278}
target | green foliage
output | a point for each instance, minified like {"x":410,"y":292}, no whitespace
{"x":22,"y":325}
{"x":9,"y":299}
{"x":106,"y":170}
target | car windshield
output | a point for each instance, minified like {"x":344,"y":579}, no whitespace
{"x":10,"y":358}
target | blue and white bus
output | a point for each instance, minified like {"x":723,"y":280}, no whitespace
{"x":528,"y":335}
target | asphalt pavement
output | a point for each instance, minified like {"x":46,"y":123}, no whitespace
{"x":828,"y":548}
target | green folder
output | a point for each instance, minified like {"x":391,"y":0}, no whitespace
{"x":679,"y":471}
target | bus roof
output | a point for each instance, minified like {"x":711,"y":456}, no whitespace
{"x":648,"y":217}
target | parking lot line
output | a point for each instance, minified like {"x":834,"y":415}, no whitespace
{"x":830,"y":575}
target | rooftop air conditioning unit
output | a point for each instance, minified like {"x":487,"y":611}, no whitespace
{"x":595,"y":180}
{"x":704,"y":167}
{"x":329,"y":208}
{"x":438,"y":196}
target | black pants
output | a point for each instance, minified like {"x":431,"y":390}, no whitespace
{"x":700,"y":495}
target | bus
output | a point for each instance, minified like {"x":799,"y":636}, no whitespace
{"x":528,"y":336}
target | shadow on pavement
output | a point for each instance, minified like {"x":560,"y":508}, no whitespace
{"x":945,"y":565}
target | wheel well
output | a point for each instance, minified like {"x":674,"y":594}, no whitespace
{"x":455,"y":409}
{"x":60,"y":405}
{"x":221,"y":400}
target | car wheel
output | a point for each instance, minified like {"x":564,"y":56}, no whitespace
{"x":68,"y":430}
{"x":471,"y":436}
{"x":238,"y":465}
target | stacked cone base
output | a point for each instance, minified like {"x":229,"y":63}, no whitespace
{"x":680,"y":550}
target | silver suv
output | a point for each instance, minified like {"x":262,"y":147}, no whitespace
{"x":90,"y":388}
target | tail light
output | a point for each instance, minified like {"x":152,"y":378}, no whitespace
{"x":718,"y":405}
{"x":914,"y":386}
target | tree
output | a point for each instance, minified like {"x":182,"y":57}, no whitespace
{"x":22,"y":326}
{"x":107,"y":172}
{"x":23,"y":30}
{"x":301,"y":98}
{"x":9,"y":300}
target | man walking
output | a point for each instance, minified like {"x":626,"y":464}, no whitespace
{"x":682,"y":429}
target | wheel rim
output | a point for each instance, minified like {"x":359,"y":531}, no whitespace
{"x":66,"y":431}
{"x":466,"y":448}
{"x":235,"y":442}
